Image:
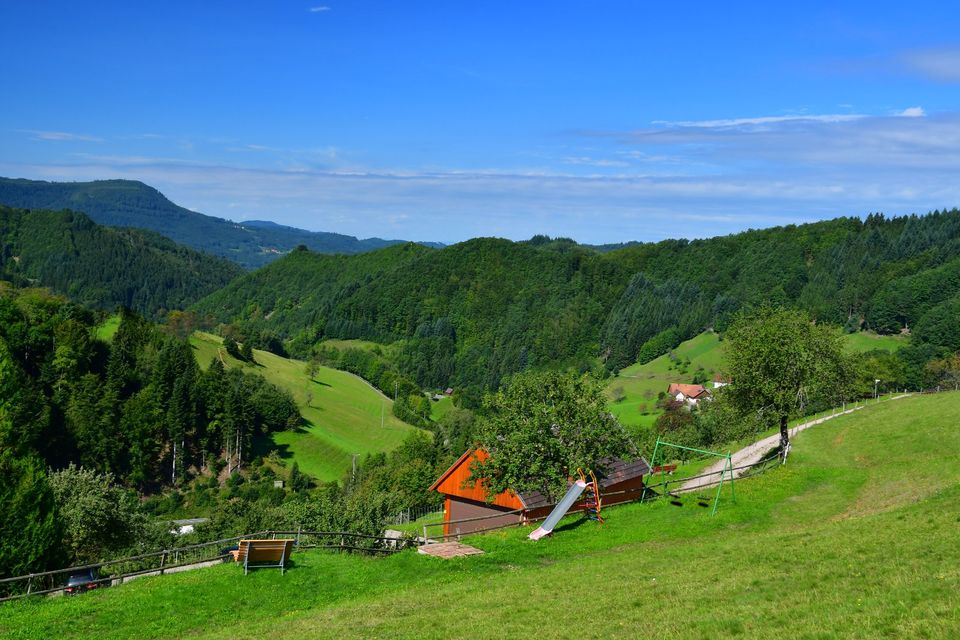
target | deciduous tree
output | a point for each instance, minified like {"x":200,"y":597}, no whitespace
{"x":541,"y":428}
{"x":779,"y":361}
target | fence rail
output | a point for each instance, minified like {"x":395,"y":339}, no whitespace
{"x":406,"y":516}
{"x":115,"y":572}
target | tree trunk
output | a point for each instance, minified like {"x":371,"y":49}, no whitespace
{"x":784,"y":438}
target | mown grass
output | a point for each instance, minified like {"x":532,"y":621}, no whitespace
{"x":856,"y":537}
{"x":641,"y":383}
{"x":864,"y":341}
{"x":108,"y":328}
{"x":440,"y":408}
{"x":343,"y":413}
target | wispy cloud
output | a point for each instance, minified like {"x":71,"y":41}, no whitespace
{"x":940,"y":64}
{"x":320,"y":9}
{"x":60,"y":136}
{"x":607,"y":187}
{"x":758,"y":121}
{"x":594,"y":162}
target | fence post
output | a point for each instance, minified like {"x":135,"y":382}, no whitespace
{"x":29,"y":584}
{"x":163,"y":561}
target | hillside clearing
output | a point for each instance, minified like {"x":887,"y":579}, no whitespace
{"x":641,"y":383}
{"x":343,"y":413}
{"x":852,"y":539}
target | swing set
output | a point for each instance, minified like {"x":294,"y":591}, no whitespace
{"x":663,"y":469}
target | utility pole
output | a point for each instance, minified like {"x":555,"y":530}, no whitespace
{"x":875,"y":396}
{"x":396,"y":389}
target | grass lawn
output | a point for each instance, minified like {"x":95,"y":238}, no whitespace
{"x":864,"y":341}
{"x":440,"y":408}
{"x":108,"y":328}
{"x":856,"y":537}
{"x":641,"y":383}
{"x":342,"y":411}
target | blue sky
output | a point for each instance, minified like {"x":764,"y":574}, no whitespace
{"x":443,"y":120}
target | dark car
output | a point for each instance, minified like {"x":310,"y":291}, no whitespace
{"x":80,"y":582}
{"x":228,"y":553}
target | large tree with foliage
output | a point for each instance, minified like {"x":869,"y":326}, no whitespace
{"x":29,"y":528}
{"x":780,"y":361}
{"x":541,"y":428}
{"x":99,"y":517}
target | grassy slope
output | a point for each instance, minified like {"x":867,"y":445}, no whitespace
{"x":343,"y":413}
{"x":642,"y":382}
{"x":108,"y":328}
{"x":855,"y":538}
{"x":864,"y":341}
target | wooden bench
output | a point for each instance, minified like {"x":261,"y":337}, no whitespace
{"x":256,"y":554}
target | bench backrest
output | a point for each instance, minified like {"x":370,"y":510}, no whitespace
{"x":265,"y":550}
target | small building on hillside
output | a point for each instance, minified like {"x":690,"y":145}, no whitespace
{"x":690,"y":394}
{"x":720,"y":381}
{"x":463,"y":499}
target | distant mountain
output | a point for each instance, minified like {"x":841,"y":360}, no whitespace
{"x":103,"y":267}
{"x":128,"y":203}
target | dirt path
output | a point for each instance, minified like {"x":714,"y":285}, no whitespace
{"x":756,"y":451}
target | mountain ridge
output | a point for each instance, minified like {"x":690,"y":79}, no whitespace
{"x":131,"y":203}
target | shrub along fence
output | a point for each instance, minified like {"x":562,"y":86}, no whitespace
{"x":116,"y":572}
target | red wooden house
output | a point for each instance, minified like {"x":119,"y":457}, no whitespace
{"x":464,"y":499}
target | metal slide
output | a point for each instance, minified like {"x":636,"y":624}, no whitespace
{"x":559,"y":511}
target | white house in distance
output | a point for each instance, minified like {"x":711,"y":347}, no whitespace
{"x":691,"y":394}
{"x":720,"y":381}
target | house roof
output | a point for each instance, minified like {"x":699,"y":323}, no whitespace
{"x":688,"y":390}
{"x":719,"y":378}
{"x":616,"y":471}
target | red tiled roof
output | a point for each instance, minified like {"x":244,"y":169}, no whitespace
{"x":688,"y":390}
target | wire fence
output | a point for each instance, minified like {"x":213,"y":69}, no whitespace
{"x":406,"y":516}
{"x":116,"y":572}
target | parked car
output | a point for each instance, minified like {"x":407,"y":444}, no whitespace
{"x":228,"y":552}
{"x":80,"y":582}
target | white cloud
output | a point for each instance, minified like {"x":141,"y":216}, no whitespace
{"x":754,"y":173}
{"x":60,"y":136}
{"x":594,"y":162}
{"x":759,"y":121}
{"x":319,"y":9}
{"x":913,"y":112}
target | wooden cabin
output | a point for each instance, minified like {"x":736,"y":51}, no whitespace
{"x":463,"y":499}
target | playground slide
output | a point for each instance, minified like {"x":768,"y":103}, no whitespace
{"x":546,"y":527}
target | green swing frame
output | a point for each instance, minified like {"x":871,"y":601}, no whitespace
{"x":727,"y":467}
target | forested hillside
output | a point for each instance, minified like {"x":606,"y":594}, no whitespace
{"x":475,"y":312}
{"x":104,"y":267}
{"x":127,"y":203}
{"x":137,"y":411}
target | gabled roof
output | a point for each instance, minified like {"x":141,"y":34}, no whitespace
{"x":688,"y":390}
{"x":455,"y":481}
{"x":448,"y":472}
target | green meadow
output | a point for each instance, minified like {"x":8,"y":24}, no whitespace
{"x":639,"y":384}
{"x":854,"y":538}
{"x":344,"y":415}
